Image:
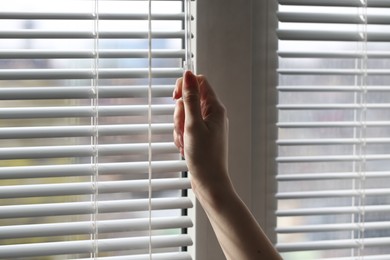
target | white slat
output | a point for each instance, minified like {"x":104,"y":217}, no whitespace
{"x":84,"y":150}
{"x":81,"y":92}
{"x":57,"y":74}
{"x":80,"y":208}
{"x":88,"y":54}
{"x":66,"y":170}
{"x":46,"y":190}
{"x":87,"y":227}
{"x":333,"y":244}
{"x":83,"y":111}
{"x":86,"y":246}
{"x":351,"y":3}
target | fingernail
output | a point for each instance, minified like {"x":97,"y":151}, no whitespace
{"x":174,"y":94}
{"x":189,"y":77}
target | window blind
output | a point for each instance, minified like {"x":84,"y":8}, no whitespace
{"x":88,"y":165}
{"x":333,"y":146}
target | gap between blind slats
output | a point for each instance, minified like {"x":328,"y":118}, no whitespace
{"x":45,"y":34}
{"x":81,"y":92}
{"x":84,"y":150}
{"x":85,"y":54}
{"x":160,"y":256}
{"x":86,"y":246}
{"x":89,"y":16}
{"x":334,"y":227}
{"x":57,"y":74}
{"x":322,"y":35}
{"x":83,"y":111}
{"x":67,"y":170}
{"x":86,"y":227}
{"x":83,"y":208}
{"x":346,"y":3}
{"x":332,"y":211}
{"x":79,"y":131}
{"x":87,"y":188}
{"x":334,"y":54}
{"x":332,"y":244}
{"x":331,"y":176}
{"x":312,"y":17}
{"x":330,"y":194}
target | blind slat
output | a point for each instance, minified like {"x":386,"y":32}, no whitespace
{"x":87,"y":227}
{"x":80,"y":208}
{"x":84,"y":150}
{"x":347,"y":3}
{"x":86,"y":246}
{"x":83,"y":111}
{"x":327,"y":141}
{"x":86,"y":54}
{"x":322,"y":35}
{"x":343,"y":72}
{"x":331,"y":193}
{"x":78,"y":131}
{"x":333,"y":244}
{"x":19,"y":172}
{"x":45,"y":34}
{"x":80,"y":92}
{"x":331,"y":89}
{"x":161,"y":256}
{"x":89,"y":16}
{"x":335,"y":227}
{"x":366,"y":257}
{"x":331,"y":176}
{"x":45,"y":190}
{"x":332,"y":211}
{"x":332,"y":124}
{"x":56,"y":74}
{"x":312,"y":17}
{"x":331,"y":106}
{"x":331,"y":158}
{"x":334,"y":54}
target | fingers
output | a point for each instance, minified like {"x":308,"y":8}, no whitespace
{"x":191,"y":98}
{"x":178,"y":119}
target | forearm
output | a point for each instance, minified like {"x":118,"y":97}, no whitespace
{"x":237,"y":231}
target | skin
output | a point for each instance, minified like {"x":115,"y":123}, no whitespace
{"x":201,"y":135}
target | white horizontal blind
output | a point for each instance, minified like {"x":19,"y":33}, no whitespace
{"x":333,"y":171}
{"x":88,"y":165}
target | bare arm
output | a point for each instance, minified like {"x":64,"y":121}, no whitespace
{"x":201,"y":130}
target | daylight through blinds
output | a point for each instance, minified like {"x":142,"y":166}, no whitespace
{"x":88,"y":165}
{"x":334,"y":131}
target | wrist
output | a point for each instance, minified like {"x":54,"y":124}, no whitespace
{"x":214,"y":192}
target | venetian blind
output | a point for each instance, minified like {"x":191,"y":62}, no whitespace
{"x":334,"y":99}
{"x":88,"y":165}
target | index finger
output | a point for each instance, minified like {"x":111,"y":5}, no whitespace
{"x":205,"y":89}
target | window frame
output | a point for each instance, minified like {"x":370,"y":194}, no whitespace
{"x":244,"y":32}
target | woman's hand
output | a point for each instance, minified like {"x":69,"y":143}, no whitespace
{"x":201,"y":131}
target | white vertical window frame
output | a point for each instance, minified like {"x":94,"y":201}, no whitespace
{"x":236,"y":50}
{"x":333,"y":99}
{"x":74,"y":135}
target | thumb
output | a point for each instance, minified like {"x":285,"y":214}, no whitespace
{"x":191,"y":98}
